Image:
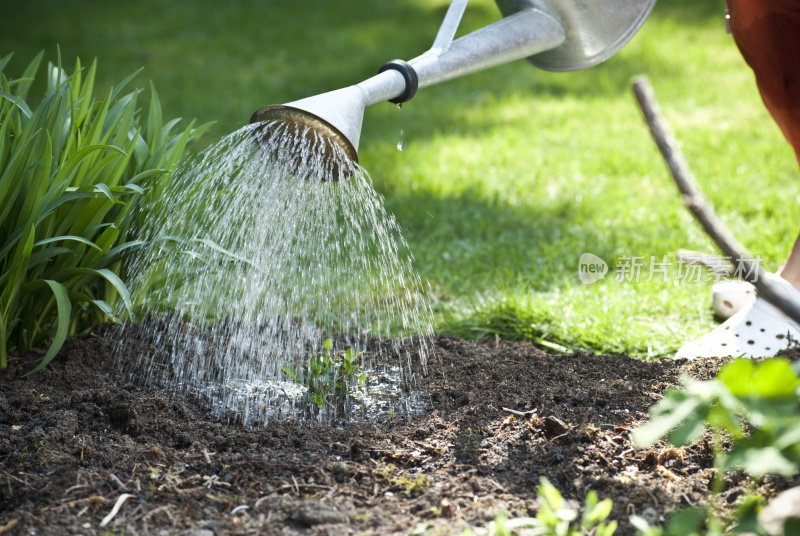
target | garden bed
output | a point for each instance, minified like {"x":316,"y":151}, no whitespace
{"x":72,"y":441}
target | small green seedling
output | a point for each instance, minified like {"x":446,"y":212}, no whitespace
{"x":328,"y":377}
{"x":557,"y":517}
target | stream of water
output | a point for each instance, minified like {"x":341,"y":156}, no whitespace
{"x":255,"y":257}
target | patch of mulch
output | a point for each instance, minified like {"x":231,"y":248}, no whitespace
{"x":73,"y":441}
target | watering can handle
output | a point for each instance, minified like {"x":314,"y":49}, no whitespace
{"x":447,"y":31}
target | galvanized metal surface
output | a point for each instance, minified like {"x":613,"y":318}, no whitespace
{"x":595,"y":29}
{"x":447,"y":31}
{"x":517,"y":36}
{"x":524,"y":33}
{"x":559,"y":35}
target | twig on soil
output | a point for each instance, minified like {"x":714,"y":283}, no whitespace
{"x":262,"y":499}
{"x":8,"y":526}
{"x":12,"y":477}
{"x":624,"y":453}
{"x":650,"y":493}
{"x":698,"y":205}
{"x":165,"y":509}
{"x":120,"y":484}
{"x":115,"y":510}
{"x":74,"y":488}
{"x":605,"y":460}
{"x":240,"y":508}
{"x":75,"y":502}
{"x":296,"y":487}
{"x":519,"y":413}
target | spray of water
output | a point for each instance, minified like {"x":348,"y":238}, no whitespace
{"x":255,"y":256}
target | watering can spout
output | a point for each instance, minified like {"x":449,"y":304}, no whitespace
{"x":553,"y":34}
{"x":335,"y":115}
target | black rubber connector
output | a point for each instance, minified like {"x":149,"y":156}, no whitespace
{"x":409,"y":75}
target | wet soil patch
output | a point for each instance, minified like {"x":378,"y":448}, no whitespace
{"x":73,"y":441}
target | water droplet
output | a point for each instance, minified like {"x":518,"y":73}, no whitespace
{"x":401,"y":141}
{"x":255,"y":257}
{"x":399,"y":105}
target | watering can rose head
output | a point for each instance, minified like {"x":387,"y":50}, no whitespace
{"x":304,"y":144}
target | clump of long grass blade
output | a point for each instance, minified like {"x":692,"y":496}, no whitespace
{"x":73,"y":170}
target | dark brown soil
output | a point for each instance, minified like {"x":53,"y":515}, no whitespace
{"x":72,"y":442}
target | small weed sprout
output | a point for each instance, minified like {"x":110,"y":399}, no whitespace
{"x":328,"y":377}
{"x":400,"y":480}
{"x":556,"y":517}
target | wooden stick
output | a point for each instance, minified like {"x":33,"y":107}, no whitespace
{"x":714,"y":263}
{"x":695,"y":201}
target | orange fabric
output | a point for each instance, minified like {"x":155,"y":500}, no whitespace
{"x":768,"y":35}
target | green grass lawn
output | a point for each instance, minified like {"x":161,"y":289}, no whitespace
{"x":506,"y":176}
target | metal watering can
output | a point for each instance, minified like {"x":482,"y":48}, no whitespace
{"x":557,"y":35}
